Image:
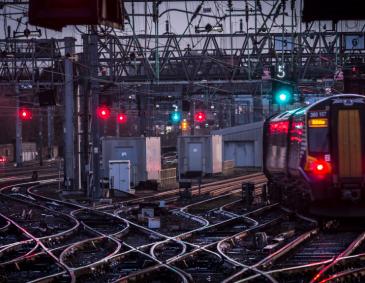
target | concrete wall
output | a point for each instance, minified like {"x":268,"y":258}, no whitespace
{"x":243,"y":143}
{"x":200,"y":154}
{"x":144,"y":155}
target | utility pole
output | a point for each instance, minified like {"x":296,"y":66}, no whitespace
{"x":79,"y":174}
{"x":18,"y":131}
{"x":142,"y":100}
{"x":50,"y":131}
{"x":248,"y":42}
{"x":156,"y":3}
{"x":69,"y":150}
{"x":95,"y":137}
{"x":40,"y":136}
{"x":230,"y":7}
{"x":192,"y":119}
{"x":117,"y":126}
{"x":84,"y":129}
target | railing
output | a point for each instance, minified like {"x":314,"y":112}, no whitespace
{"x":228,"y":166}
{"x":168,"y":178}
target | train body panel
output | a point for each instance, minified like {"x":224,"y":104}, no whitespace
{"x":319,"y":149}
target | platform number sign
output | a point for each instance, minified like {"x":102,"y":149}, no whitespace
{"x":354,"y":42}
{"x":280,"y":71}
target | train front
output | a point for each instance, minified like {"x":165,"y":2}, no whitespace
{"x":336,"y":145}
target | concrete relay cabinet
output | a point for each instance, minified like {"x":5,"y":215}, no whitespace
{"x":144,"y":154}
{"x":200,"y":154}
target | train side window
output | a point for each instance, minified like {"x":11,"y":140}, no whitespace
{"x":318,"y":140}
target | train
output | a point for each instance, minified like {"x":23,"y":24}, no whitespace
{"x":315,"y":155}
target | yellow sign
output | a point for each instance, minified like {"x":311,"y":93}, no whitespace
{"x":318,"y":123}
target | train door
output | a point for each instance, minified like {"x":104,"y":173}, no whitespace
{"x":350,"y":149}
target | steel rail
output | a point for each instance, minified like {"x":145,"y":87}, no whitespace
{"x":356,"y":243}
{"x":39,"y":242}
{"x":301,"y":268}
{"x":143,"y":228}
{"x":112,"y":215}
{"x":272,"y":256}
{"x":195,"y":190}
{"x":324,"y":265}
{"x":206,"y":247}
{"x":67,"y":216}
{"x":13,"y":247}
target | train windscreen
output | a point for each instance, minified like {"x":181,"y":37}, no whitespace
{"x":318,"y":140}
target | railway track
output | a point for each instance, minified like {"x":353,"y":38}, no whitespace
{"x":32,"y":269}
{"x":74,"y":256}
{"x":216,"y":237}
{"x":205,"y":191}
{"x":316,"y":256}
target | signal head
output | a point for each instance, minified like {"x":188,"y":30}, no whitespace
{"x":200,"y":117}
{"x":283,"y":96}
{"x":175,"y":117}
{"x":184,"y":125}
{"x":122,"y":118}
{"x":103,"y":112}
{"x":282,"y":93}
{"x":25,"y":114}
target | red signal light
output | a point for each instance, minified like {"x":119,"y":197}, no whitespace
{"x":103,"y":112}
{"x":25,"y":114}
{"x":200,"y":117}
{"x":122,"y":118}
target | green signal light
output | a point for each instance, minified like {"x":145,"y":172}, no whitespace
{"x":283,"y":96}
{"x":283,"y":92}
{"x":176,"y":117}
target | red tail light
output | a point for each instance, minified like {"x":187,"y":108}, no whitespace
{"x":320,"y":167}
{"x":279,"y":127}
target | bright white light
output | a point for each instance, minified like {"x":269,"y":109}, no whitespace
{"x":320,"y":167}
{"x":282,"y":97}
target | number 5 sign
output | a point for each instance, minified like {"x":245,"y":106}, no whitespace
{"x":281,"y":71}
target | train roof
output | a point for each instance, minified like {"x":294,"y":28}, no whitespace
{"x":302,"y":110}
{"x":332,"y":96}
{"x":283,"y":115}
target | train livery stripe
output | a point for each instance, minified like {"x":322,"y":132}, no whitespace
{"x":349,"y":142}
